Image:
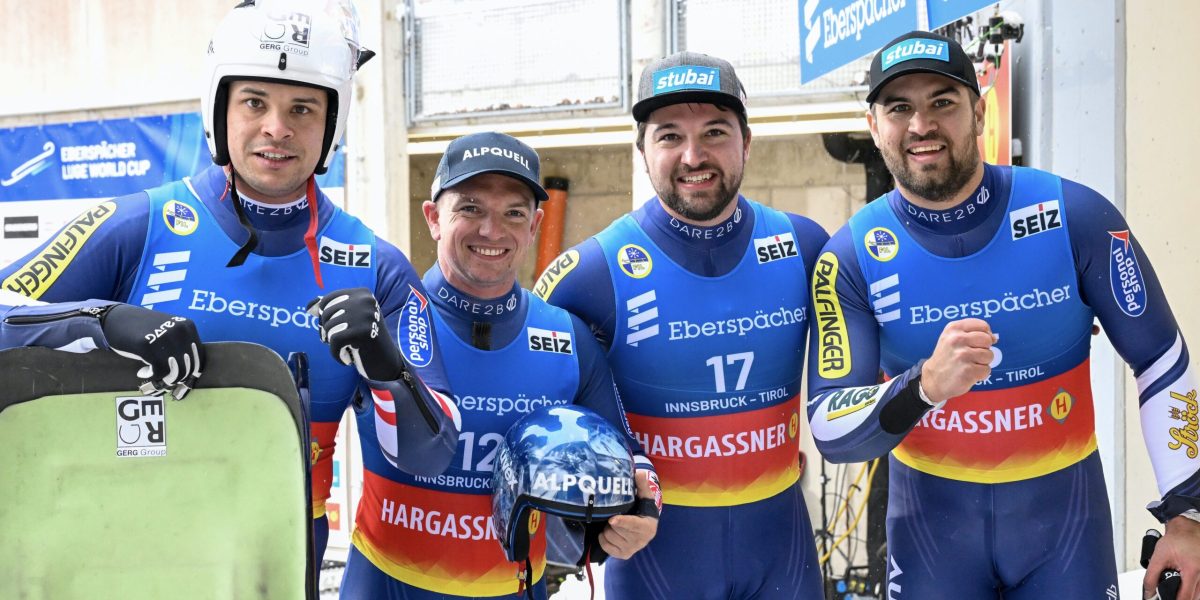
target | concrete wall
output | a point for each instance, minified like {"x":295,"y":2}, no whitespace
{"x":1161,"y":203}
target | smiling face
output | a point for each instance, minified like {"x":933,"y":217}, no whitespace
{"x":275,"y":132}
{"x":483,"y":226}
{"x":925,"y":126}
{"x":696,"y":155}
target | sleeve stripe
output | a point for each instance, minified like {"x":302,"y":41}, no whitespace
{"x":448,"y":407}
{"x":385,"y":407}
{"x":1162,"y":365}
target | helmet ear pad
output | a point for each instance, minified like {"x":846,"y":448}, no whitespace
{"x":518,"y":541}
{"x":221,"y":111}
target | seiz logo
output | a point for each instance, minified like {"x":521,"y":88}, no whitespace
{"x":141,"y":426}
{"x":687,"y":77}
{"x":546,"y":340}
{"x":913,"y":49}
{"x":640,"y":317}
{"x":1031,"y":220}
{"x":334,"y":252}
{"x":164,"y":283}
{"x":774,"y":248}
{"x":884,"y":300}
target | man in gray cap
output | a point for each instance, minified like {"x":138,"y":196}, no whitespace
{"x":483,"y":212}
{"x":974,"y":287}
{"x":701,"y":297}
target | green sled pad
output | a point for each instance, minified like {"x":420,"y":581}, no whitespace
{"x":109,"y":494}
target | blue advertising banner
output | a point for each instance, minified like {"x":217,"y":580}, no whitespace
{"x":103,"y":159}
{"x":942,"y":12}
{"x":50,"y":173}
{"x":834,"y":33}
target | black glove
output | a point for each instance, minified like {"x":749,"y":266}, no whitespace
{"x":350,"y":323}
{"x":167,"y":345}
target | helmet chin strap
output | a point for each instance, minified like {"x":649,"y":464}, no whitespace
{"x":310,"y":235}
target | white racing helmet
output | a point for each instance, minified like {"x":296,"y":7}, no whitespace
{"x":298,"y":42}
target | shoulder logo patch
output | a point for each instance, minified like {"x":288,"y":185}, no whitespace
{"x":1125,"y":275}
{"x":415,"y":331}
{"x":634,"y":261}
{"x":36,"y":276}
{"x":180,"y":218}
{"x":882,"y":244}
{"x":554,"y":273}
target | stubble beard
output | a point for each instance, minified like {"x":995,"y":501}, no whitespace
{"x":695,"y":209}
{"x":925,"y":183}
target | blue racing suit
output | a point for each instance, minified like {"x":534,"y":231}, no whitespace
{"x":705,"y":329}
{"x":426,"y":538}
{"x":167,"y":249}
{"x":999,"y":490}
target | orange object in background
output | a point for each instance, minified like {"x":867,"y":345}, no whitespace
{"x":555,"y":215}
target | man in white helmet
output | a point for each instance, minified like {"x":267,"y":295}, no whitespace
{"x":242,"y":247}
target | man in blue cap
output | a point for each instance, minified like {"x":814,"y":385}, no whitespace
{"x":974,"y":287}
{"x":506,"y":353}
{"x":701,"y":298}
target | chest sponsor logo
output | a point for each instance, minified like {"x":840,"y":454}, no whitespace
{"x":337,"y":253}
{"x":1188,"y":413}
{"x":885,"y":298}
{"x":180,"y":218}
{"x":555,"y":273}
{"x":641,"y":318}
{"x":882,"y":244}
{"x":415,"y":330}
{"x":1035,"y":219}
{"x":141,"y":426}
{"x":1125,"y":274}
{"x":36,"y":276}
{"x":634,"y":261}
{"x":547,"y":340}
{"x":833,"y":343}
{"x":776,"y":247}
{"x":165,"y":282}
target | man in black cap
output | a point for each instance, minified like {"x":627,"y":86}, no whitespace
{"x":506,"y":353}
{"x":974,"y":287}
{"x":701,"y":297}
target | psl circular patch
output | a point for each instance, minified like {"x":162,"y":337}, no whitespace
{"x":180,"y":218}
{"x":882,"y":244}
{"x":634,"y":261}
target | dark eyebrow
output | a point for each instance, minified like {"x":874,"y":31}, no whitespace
{"x":948,"y":90}
{"x":261,"y":93}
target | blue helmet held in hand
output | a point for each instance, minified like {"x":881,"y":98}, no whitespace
{"x":563,"y":460}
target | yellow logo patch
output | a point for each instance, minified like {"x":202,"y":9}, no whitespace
{"x":882,"y":244}
{"x":634,"y":261}
{"x":793,"y":426}
{"x":1061,"y":405}
{"x":180,"y":218}
{"x":554,"y":273}
{"x":37,"y":275}
{"x":1189,"y":414}
{"x":833,"y":350}
{"x":535,"y":521}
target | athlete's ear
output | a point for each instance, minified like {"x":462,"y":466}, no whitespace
{"x":430,"y":209}
{"x":746,"y":146}
{"x":873,"y":125}
{"x":980,"y":110}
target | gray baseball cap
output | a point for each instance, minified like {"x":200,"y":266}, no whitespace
{"x":688,"y":77}
{"x":488,"y":152}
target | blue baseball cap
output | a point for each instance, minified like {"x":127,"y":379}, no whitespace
{"x":488,"y":152}
{"x":686,"y":77}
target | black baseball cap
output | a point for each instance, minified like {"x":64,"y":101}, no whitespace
{"x":921,"y":52}
{"x":688,"y":77}
{"x":488,"y":152}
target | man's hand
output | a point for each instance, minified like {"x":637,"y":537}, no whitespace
{"x":350,"y":323}
{"x":961,"y":358}
{"x":167,"y":345}
{"x":626,"y":534}
{"x":1179,"y":548}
